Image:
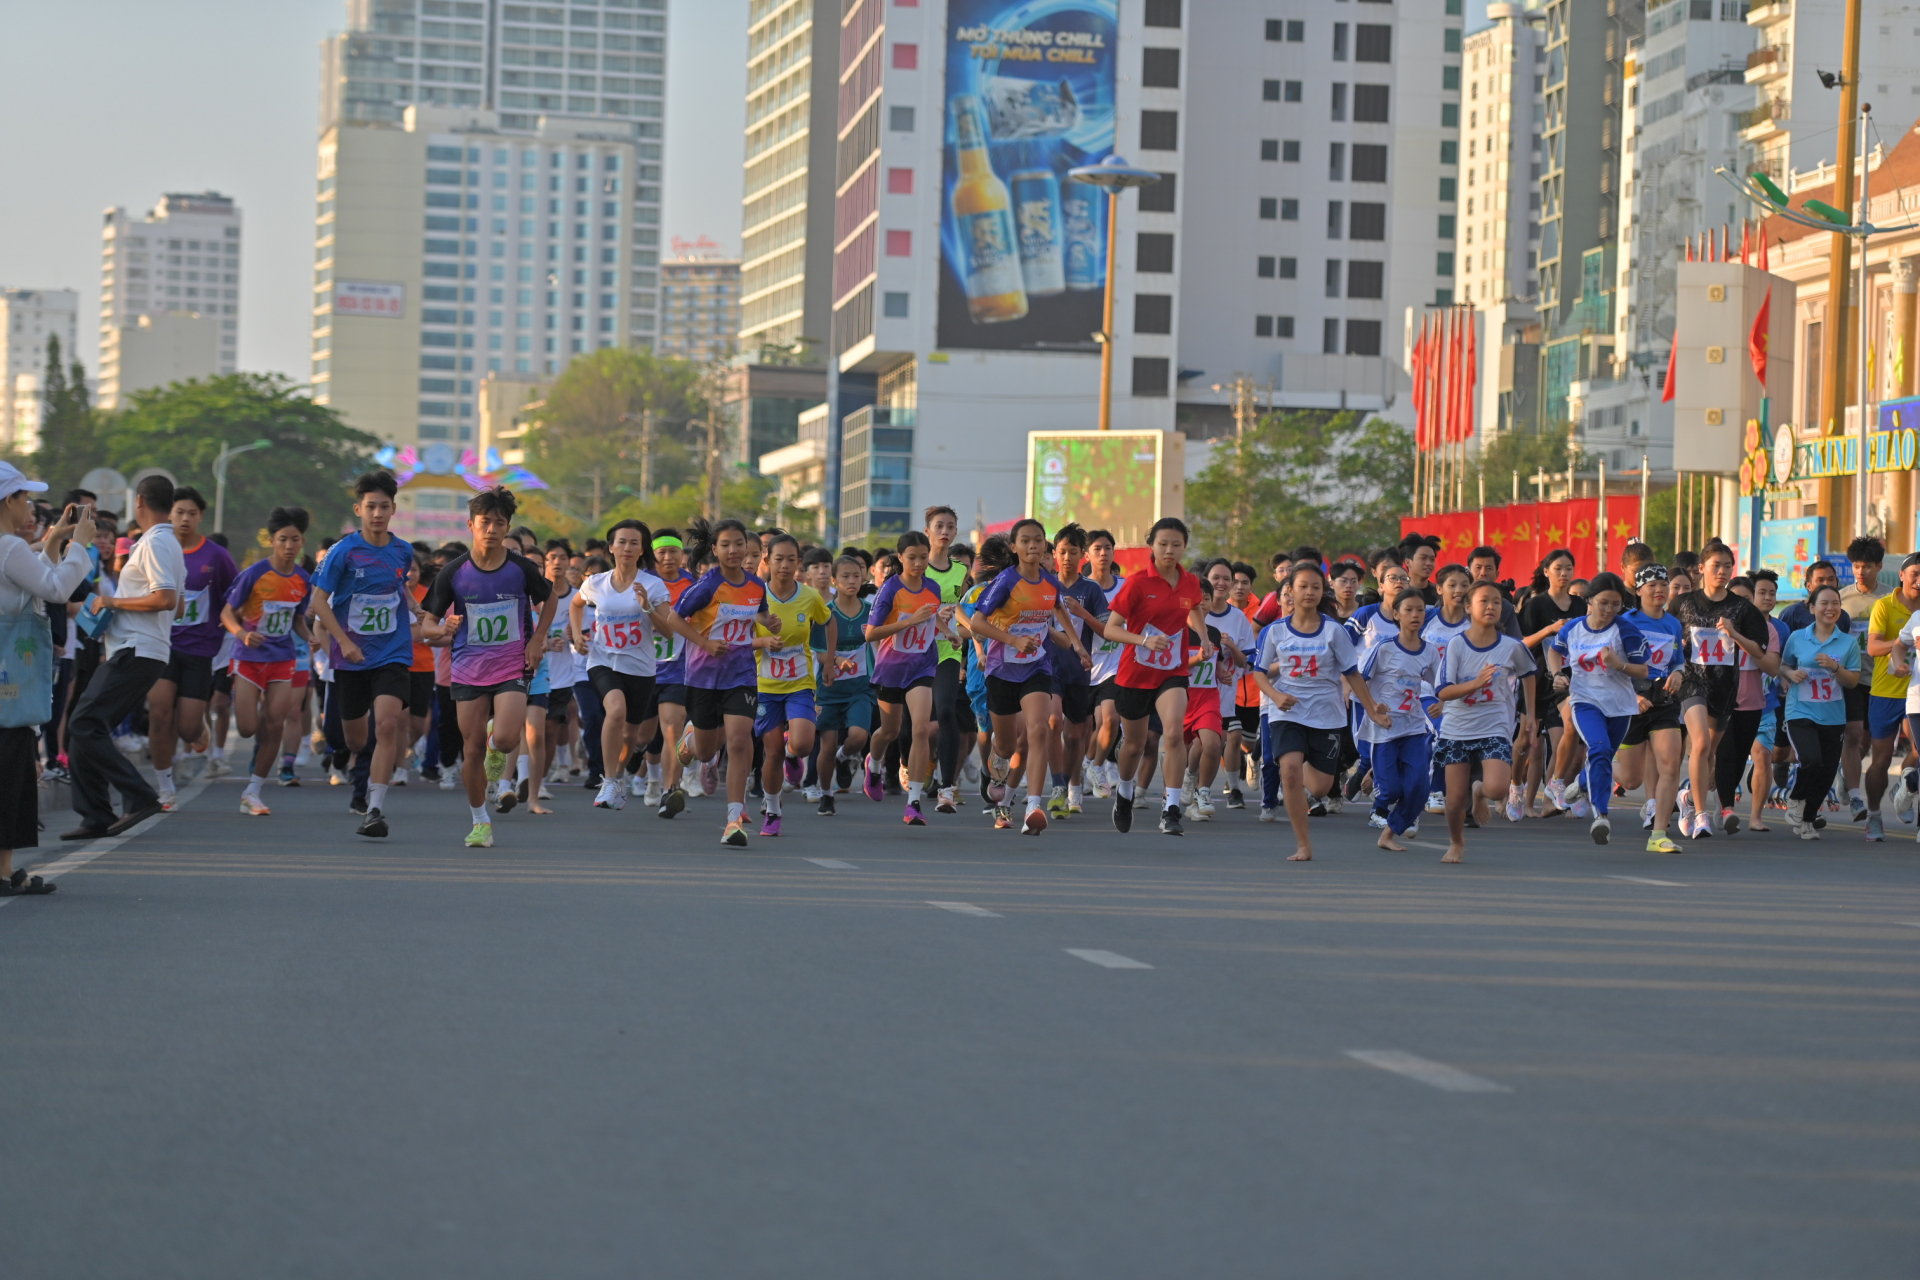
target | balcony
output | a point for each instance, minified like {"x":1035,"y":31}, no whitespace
{"x":1767,"y":64}
{"x":1765,"y":121}
{"x":1770,"y":15}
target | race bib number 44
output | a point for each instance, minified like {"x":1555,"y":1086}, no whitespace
{"x":1711,"y":649}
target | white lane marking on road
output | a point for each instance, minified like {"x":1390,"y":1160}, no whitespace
{"x":1424,"y":844}
{"x":100,"y":848}
{"x":1426,"y":1071}
{"x":1107,"y":959}
{"x":833,"y":864}
{"x":1664,"y":884}
{"x":1911,"y":924}
{"x":965,"y":909}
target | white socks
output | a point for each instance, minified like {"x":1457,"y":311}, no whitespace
{"x":1173,"y":797}
{"x":653,"y":773}
{"x":1126,"y":788}
{"x":376,"y":795}
{"x":773,"y":803}
{"x":254,"y":784}
{"x":164,"y":777}
{"x":735,"y":812}
{"x":914,"y":791}
{"x":1033,"y":802}
{"x":480,"y":817}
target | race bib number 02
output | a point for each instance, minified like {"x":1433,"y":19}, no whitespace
{"x":733,"y":624}
{"x":492,"y":625}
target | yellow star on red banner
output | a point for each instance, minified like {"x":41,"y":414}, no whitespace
{"x":1621,"y":529}
{"x":1553,"y":533}
{"x":1498,"y":538}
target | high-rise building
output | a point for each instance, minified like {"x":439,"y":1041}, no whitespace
{"x":1580,"y":139}
{"x":489,"y":185}
{"x":182,"y":257}
{"x":699,"y":308}
{"x":787,"y":215}
{"x":1791,"y":127}
{"x":1310,"y":186}
{"x":28,"y":317}
{"x":1499,"y":232}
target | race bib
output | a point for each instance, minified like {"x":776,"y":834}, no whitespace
{"x":851,"y":666}
{"x":1711,"y":649}
{"x":1202,"y":676}
{"x":493,"y":625}
{"x":374,"y":615}
{"x":784,"y":664}
{"x":1591,"y":660}
{"x":276,"y":619}
{"x":1820,"y":686}
{"x":1165,"y":661}
{"x":195,"y":612}
{"x":1656,"y":659}
{"x":1406,"y":701}
{"x":619,"y":635}
{"x":1302,"y":662}
{"x":733,"y":624}
{"x":917,"y":638}
{"x":1106,"y":646}
{"x":1038,"y":630}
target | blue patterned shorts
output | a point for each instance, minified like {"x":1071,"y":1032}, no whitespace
{"x":1472,"y":750}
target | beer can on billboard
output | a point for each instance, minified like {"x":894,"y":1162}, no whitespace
{"x":1036,"y":217}
{"x":1083,"y":214}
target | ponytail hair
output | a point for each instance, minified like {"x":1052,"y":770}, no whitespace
{"x":702,"y":534}
{"x":280,"y":517}
{"x":1539,"y":585}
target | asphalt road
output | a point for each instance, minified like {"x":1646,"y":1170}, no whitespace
{"x":254,"y":1048}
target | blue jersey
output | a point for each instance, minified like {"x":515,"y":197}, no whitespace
{"x":1666,"y":649}
{"x":366,"y":587}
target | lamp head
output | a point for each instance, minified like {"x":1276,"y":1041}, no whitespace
{"x":1113,"y":173}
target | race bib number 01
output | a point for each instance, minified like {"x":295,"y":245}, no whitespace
{"x":733,"y":624}
{"x":195,"y":611}
{"x":1711,"y":649}
{"x":276,"y":619}
{"x":1166,"y":660}
{"x":492,"y":625}
{"x":784,"y":664}
{"x":374,"y":615}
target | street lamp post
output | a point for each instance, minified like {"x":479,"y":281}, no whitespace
{"x":1116,"y":175}
{"x":227,"y":454}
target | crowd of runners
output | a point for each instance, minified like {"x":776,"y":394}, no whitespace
{"x":1025,"y":675}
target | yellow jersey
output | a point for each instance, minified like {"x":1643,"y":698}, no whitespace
{"x":789,"y":669}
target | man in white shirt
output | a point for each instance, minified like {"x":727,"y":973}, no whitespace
{"x":137,"y":644}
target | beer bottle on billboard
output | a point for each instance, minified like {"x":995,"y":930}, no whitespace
{"x":983,"y":213}
{"x":1036,"y":213}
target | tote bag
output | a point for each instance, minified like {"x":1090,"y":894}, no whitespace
{"x":26,"y":670}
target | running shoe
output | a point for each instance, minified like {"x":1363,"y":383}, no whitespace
{"x":1436,"y":802}
{"x":1806,"y":831}
{"x":1658,"y":843}
{"x":1122,"y":813}
{"x":375,"y":824}
{"x":1057,"y":803}
{"x":1098,"y":776}
{"x":673,"y":802}
{"x":1602,"y":829}
{"x":826,"y":809}
{"x":652,"y":799}
{"x":399,"y":777}
{"x":735,"y":835}
{"x":874,"y":786}
{"x":543,"y":793}
{"x":1203,"y":806}
{"x":796,"y":772}
{"x":593,"y":779}
{"x":1377,"y":820}
{"x":1269,"y":814}
{"x":1034,"y":823}
{"x":1334,"y":804}
{"x":996,"y":791}
{"x":1646,"y":816}
{"x":336,"y":777}
{"x":1579,"y":808}
{"x":1729,"y":822}
{"x":947,"y":801}
{"x":169,"y":800}
{"x":636,"y":787}
{"x":684,"y":748}
{"x":1685,"y":809}
{"x":771,"y":827}
{"x":812,"y":794}
{"x":481,"y":837}
{"x":431,"y":774}
{"x":1356,"y":782}
{"x":612,"y":796}
{"x":1316,"y":806}
{"x":842,"y":774}
{"x":216,"y":768}
{"x":449,"y":780}
{"x":1702,"y":827}
{"x":288,"y":778}
{"x":358,"y":806}
{"x":1516,"y":806}
{"x":1903,"y":799}
{"x":1414,"y":830}
{"x":1857,"y":801}
{"x":1002,"y":820}
{"x":710,"y":776}
{"x":1234,"y":799}
{"x":506,"y":799}
{"x":496,"y":764}
{"x":1876,"y":828}
{"x":913,"y":817}
{"x":253,"y":806}
{"x":1074,"y":798}
{"x":1170,"y":822}
{"x":1557,"y":793}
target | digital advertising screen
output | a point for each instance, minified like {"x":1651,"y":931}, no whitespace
{"x":1023,"y":248}
{"x":1102,"y":479}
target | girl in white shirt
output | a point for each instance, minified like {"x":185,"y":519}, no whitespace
{"x":1480,"y":673}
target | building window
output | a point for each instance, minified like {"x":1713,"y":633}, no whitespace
{"x":1334,"y":274}
{"x":1336,"y":211}
{"x":1263,"y":267}
{"x":1370,"y":103}
{"x":906,"y":57}
{"x":1450,"y":114}
{"x":1263,"y":326}
{"x":894,"y":305}
{"x":1339,"y":42}
{"x":1336,"y":162}
{"x":1448,"y":186}
{"x":1162,"y":13}
{"x":1443,"y":264}
{"x":1158,"y":197}
{"x":1283,"y":326}
{"x":1449,"y":41}
{"x":1270,"y":90}
{"x":1330,"y":337}
{"x":1269,"y":208}
{"x":1366,"y":221}
{"x":1374,"y":43}
{"x":1449,"y":151}
{"x":1269,"y":148}
{"x":1276,"y":29}
{"x":1446,"y":231}
{"x":1159,"y":130}
{"x":1366,"y":279}
{"x":1369,"y":162}
{"x":1289,"y":209}
{"x":899,"y":182}
{"x":1292,"y":91}
{"x":1339,"y":102}
{"x":1290,"y":152}
{"x":1450,"y":80}
{"x":1153,"y":252}
{"x":1160,"y":68}
{"x":1153,"y":313}
{"x":1363,"y":337}
{"x":899,"y":244}
{"x":1289,"y":268}
{"x":900,"y":119}
{"x":1150,"y":375}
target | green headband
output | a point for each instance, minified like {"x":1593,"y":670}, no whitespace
{"x":668,"y":541}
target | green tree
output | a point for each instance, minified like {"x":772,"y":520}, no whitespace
{"x":589,"y":442}
{"x":71,"y":442}
{"x":1523,"y":454}
{"x":1338,"y":480}
{"x":312,"y":460}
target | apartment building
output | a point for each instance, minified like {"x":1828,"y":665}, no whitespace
{"x":28,"y":318}
{"x":181,"y":259}
{"x":1791,"y":127}
{"x":699,"y":308}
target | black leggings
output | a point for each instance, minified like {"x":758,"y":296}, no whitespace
{"x":946,"y":717}
{"x":1818,"y":746}
{"x":1730,"y":757}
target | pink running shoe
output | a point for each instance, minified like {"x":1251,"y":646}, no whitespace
{"x":875,"y":789}
{"x":771,"y":827}
{"x":914,"y":818}
{"x":710,"y":776}
{"x":997,"y":792}
{"x":796,"y":772}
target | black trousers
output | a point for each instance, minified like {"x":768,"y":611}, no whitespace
{"x":19,"y":790}
{"x":117,"y":689}
{"x":1730,"y":757}
{"x":1818,"y":746}
{"x":946,"y":717}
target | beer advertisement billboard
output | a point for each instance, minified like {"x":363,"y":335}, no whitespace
{"x":1121,"y":481}
{"x":1023,"y":248}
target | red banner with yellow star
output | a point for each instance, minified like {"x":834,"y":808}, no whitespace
{"x":1524,"y":533}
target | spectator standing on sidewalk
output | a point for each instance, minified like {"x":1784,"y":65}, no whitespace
{"x":28,"y":581}
{"x":137,"y":645}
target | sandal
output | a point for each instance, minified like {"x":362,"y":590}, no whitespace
{"x":21,"y":885}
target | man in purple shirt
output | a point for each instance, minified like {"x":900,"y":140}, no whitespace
{"x":177,"y":703}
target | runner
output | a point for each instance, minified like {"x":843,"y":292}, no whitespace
{"x":483,"y":602}
{"x":846,"y":702}
{"x":1235,"y":630}
{"x":1070,"y":723}
{"x":1551,"y":606}
{"x":950,"y":575}
{"x":1595,"y":659}
{"x":1656,"y":728}
{"x":1710,"y":686}
{"x":1819,"y":664}
{"x":906,"y":612}
{"x":177,"y":703}
{"x":264,"y":609}
{"x":1104,"y":678}
{"x":789,"y":676}
{"x":1151,"y":615}
{"x":1768,"y":748}
{"x":1887,"y":696}
{"x":419,"y":679}
{"x":1445,"y":621}
{"x":558,"y":669}
{"x":1479,"y":676}
{"x":1304,"y":660}
{"x":670,"y":677}
{"x":724,"y":607}
{"x":1402,"y":675}
{"x":364,"y":577}
{"x":631,"y":608}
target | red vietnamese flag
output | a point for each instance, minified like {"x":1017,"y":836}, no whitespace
{"x":1757,"y":340}
{"x":1746,"y":240}
{"x":1673,"y":360}
{"x":1453,"y":376}
{"x":1763,"y":246}
{"x":1469,"y":376}
{"x":1419,"y":372}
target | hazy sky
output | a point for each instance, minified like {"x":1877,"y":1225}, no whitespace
{"x":114,"y":102}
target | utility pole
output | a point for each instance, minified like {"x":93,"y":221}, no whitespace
{"x":1833,"y":354}
{"x":646,"y":454}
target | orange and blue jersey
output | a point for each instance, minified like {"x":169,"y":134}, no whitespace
{"x":912,"y":654}
{"x":723,"y":611}
{"x":271,"y":603}
{"x":670,"y":647}
{"x":1022,"y":608}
